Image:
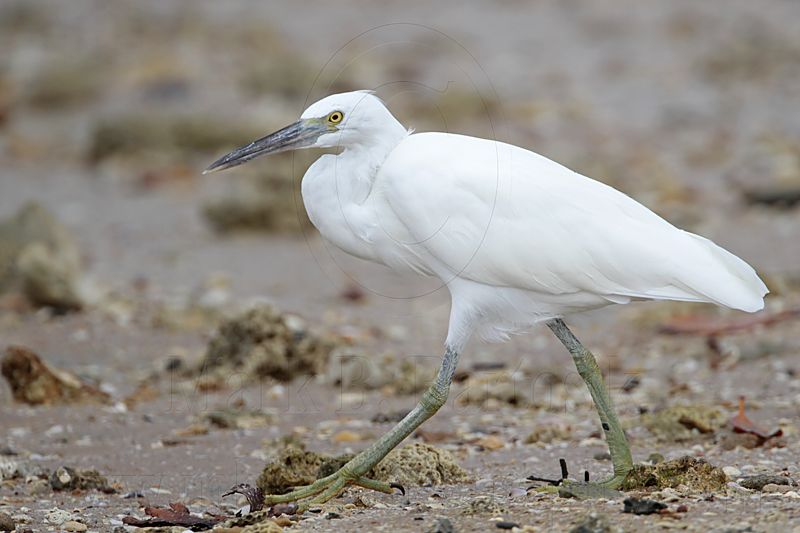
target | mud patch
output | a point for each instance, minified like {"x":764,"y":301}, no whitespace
{"x":696,"y":475}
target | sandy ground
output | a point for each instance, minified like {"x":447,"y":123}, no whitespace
{"x":682,"y":105}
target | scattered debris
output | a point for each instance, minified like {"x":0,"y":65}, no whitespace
{"x":39,"y":257}
{"x":505,"y":524}
{"x":731,"y":441}
{"x":65,"y":82}
{"x":759,"y":481}
{"x":784,"y":197}
{"x":642,"y":506}
{"x":34,"y":382}
{"x":268,"y":202}
{"x":742,"y":424}
{"x":394,"y":376}
{"x":176,"y":515}
{"x":684,"y":422}
{"x":490,"y":442}
{"x":389,"y":417}
{"x":694,"y":473}
{"x":757,"y":52}
{"x":441,"y":525}
{"x":237,"y":418}
{"x":139,"y":133}
{"x":353,"y":293}
{"x":592,"y":523}
{"x":547,"y":433}
{"x":74,"y":526}
{"x":714,"y":326}
{"x":484,"y":505}
{"x":144,"y":392}
{"x":66,"y":478}
{"x":263,"y":342}
{"x":494,"y":389}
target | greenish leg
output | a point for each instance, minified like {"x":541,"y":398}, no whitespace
{"x":354,"y":472}
{"x":590,"y":372}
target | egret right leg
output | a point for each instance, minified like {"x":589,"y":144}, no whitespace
{"x":590,"y":372}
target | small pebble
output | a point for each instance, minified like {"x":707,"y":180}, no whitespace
{"x":774,"y":487}
{"x":442,"y":525}
{"x":642,"y":506}
{"x":759,"y":481}
{"x":732,"y":472}
{"x":72,"y":525}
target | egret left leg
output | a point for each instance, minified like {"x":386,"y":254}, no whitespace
{"x":590,"y":372}
{"x":355,"y":471}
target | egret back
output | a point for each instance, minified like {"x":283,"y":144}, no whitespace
{"x":503,"y":216}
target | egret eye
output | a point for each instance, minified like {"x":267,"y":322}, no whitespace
{"x":335,"y":117}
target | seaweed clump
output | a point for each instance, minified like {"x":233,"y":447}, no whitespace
{"x":690,"y":472}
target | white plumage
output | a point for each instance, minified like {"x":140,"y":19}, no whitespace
{"x":517,"y":237}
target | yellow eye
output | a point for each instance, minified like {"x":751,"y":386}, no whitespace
{"x":335,"y":117}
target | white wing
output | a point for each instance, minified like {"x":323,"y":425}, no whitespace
{"x":503,"y":216}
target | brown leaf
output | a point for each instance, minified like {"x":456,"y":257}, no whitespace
{"x":742,"y":424}
{"x":176,"y":515}
{"x":709,"y":326}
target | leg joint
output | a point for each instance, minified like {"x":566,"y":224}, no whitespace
{"x":434,"y":397}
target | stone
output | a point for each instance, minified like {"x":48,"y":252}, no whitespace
{"x":6,"y":522}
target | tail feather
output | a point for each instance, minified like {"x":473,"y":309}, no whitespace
{"x":733,"y":282}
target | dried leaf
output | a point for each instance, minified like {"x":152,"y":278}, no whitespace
{"x":710,"y":326}
{"x":176,"y":515}
{"x":742,"y":424}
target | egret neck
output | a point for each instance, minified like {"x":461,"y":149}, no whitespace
{"x":336,"y":187}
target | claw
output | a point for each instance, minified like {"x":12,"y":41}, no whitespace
{"x":254,"y":495}
{"x":399,"y":487}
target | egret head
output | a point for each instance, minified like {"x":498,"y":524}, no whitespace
{"x":337,"y":121}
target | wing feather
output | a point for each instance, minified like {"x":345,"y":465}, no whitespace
{"x":501,"y":215}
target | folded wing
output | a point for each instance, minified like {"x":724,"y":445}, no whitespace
{"x":504,"y":216}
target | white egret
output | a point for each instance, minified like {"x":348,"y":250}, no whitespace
{"x":517,"y":238}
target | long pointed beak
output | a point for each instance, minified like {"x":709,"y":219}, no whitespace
{"x":301,"y":134}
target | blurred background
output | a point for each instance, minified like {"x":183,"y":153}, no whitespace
{"x":119,"y":260}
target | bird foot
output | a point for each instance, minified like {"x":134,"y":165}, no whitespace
{"x":582,"y":490}
{"x":329,"y":487}
{"x":587,"y":490}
